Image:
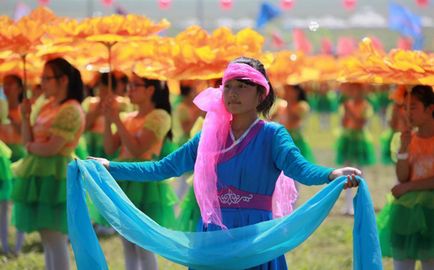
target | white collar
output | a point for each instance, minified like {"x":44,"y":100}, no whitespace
{"x":241,"y":138}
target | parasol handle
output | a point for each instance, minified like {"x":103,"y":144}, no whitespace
{"x":109,"y":46}
{"x":407,"y":106}
{"x":23,"y":58}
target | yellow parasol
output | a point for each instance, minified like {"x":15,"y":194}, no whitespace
{"x":23,"y":36}
{"x":106,"y":31}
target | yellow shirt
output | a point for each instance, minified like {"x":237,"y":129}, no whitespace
{"x":158,"y":121}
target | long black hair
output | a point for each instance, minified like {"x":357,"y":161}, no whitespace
{"x":266,"y":104}
{"x":61,"y":67}
{"x":160,"y":98}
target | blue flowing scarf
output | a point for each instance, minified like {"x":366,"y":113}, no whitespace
{"x":238,"y":248}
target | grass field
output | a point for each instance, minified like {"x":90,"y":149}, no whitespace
{"x":330,"y":247}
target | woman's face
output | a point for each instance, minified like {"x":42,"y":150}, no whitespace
{"x":49,"y":82}
{"x":11,"y":88}
{"x":137,"y":90}
{"x":239,"y":97}
{"x":419,"y":114}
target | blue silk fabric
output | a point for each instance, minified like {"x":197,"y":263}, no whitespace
{"x":238,"y":248}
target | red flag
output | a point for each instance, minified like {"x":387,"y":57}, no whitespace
{"x":349,"y":4}
{"x":164,"y":4}
{"x":404,"y":43}
{"x":422,"y":3}
{"x":43,"y":2}
{"x":378,"y":45}
{"x":301,"y":43}
{"x":277,"y":40}
{"x":226,"y":4}
{"x":326,"y":46}
{"x":346,"y":46}
{"x":286,"y":4}
{"x":107,"y":3}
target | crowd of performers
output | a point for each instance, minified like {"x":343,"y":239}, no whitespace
{"x":132,"y":118}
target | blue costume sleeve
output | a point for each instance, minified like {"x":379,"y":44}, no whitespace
{"x":287,"y":157}
{"x":175,"y":164}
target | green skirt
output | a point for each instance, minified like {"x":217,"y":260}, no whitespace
{"x":189,"y":214}
{"x":327,"y":103}
{"x":379,"y":100}
{"x":18,"y":151}
{"x":355,"y":147}
{"x":155,"y":199}
{"x":385,"y":141}
{"x":160,"y":211}
{"x":81,"y":149}
{"x":300,"y":142}
{"x":39,"y":193}
{"x":95,"y":146}
{"x":5,"y":173}
{"x":406,"y":226}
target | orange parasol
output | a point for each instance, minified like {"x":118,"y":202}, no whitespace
{"x":23,"y":36}
{"x":200,"y":56}
{"x":107,"y":31}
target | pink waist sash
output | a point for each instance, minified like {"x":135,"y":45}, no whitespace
{"x":231,"y":197}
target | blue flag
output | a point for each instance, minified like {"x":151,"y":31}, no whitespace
{"x":267,"y":12}
{"x":406,"y":23}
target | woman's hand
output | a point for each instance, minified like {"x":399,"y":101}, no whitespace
{"x":111,"y":109}
{"x":102,"y":161}
{"x":26,"y":108}
{"x":401,"y":189}
{"x":351,"y":174}
{"x":405,"y":140}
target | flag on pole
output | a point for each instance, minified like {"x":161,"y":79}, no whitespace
{"x":267,"y":12}
{"x":301,"y":43}
{"x":277,"y":40}
{"x":407,"y":24}
{"x":326,"y":46}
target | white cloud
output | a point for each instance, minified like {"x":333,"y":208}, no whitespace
{"x":331,"y":22}
{"x":367,"y":18}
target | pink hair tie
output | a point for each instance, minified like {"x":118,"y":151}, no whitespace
{"x":245,"y":72}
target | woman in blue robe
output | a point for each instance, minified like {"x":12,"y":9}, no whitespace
{"x":254,"y":154}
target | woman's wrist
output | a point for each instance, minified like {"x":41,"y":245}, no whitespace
{"x":29,"y":147}
{"x":332,"y":175}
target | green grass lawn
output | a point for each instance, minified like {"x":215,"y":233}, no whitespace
{"x":330,"y":247}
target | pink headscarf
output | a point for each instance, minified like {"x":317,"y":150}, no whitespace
{"x":215,"y":131}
